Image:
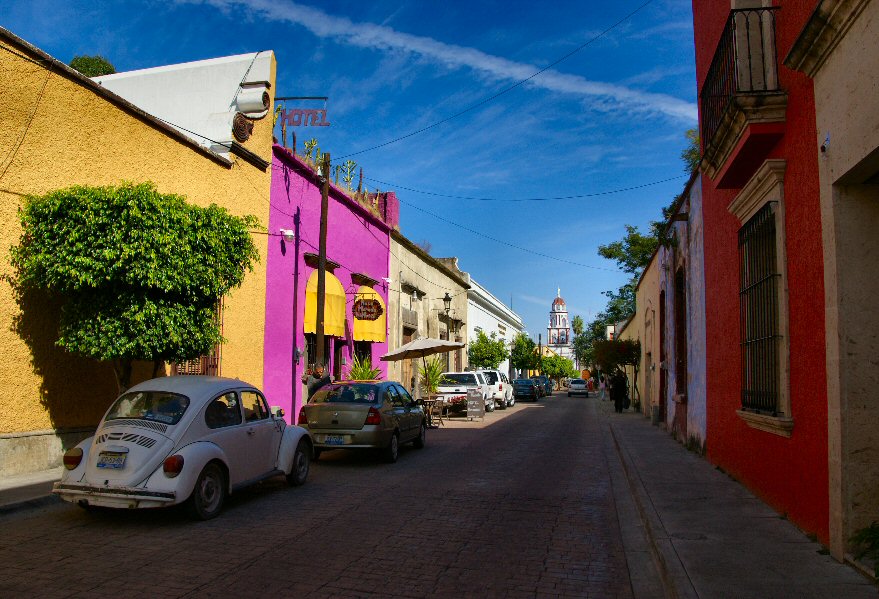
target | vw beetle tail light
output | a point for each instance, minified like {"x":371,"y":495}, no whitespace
{"x":72,"y":458}
{"x":173,"y":465}
{"x":303,"y":419}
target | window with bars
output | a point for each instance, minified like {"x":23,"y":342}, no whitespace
{"x":759,"y":312}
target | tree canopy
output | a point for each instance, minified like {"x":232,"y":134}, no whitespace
{"x":524,"y":355}
{"x":139,"y":273}
{"x":486,"y":352}
{"x":92,"y":66}
{"x":557,"y":368}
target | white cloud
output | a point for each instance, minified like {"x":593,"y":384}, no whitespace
{"x":382,"y":38}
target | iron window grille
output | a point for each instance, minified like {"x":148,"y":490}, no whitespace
{"x":759,"y":312}
{"x":208,"y":364}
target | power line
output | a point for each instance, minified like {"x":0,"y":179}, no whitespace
{"x":507,"y":89}
{"x":507,"y":243}
{"x":538,"y":199}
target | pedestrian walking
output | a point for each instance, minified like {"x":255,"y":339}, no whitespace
{"x":619,"y":391}
{"x":602,"y":387}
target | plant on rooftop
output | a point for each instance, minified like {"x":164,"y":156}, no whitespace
{"x":128,"y":266}
{"x":348,"y":167}
{"x":92,"y":66}
{"x":310,"y":145}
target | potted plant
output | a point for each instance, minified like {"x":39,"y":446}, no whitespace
{"x":362,"y":370}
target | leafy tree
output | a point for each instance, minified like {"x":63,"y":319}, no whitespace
{"x":609,"y":355}
{"x":692,"y":154}
{"x":129,"y":267}
{"x":524,"y":355}
{"x":486,"y":352}
{"x":557,"y":368}
{"x":92,"y":66}
{"x":632,"y":252}
{"x":577,"y":325}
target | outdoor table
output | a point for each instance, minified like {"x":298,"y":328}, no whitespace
{"x":430,"y":406}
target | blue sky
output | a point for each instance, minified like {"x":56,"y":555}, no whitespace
{"x":611,"y":116}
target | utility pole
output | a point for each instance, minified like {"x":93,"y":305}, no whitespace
{"x":539,"y":353}
{"x":320,"y":359}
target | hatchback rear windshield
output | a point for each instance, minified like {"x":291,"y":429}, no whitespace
{"x":458,"y":379}
{"x":491,"y":376}
{"x":158,"y":406}
{"x":577,"y":381}
{"x":523,"y":382}
{"x":354,"y":393}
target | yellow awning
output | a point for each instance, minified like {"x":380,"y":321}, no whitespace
{"x":370,"y":330}
{"x":334,"y":306}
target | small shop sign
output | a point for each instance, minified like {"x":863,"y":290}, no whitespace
{"x":367,"y":309}
{"x":475,"y":404}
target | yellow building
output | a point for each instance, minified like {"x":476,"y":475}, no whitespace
{"x":59,"y":129}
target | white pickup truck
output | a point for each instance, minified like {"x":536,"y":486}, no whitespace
{"x":454,"y":386}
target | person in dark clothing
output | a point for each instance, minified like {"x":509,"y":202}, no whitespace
{"x":315,"y":379}
{"x":619,"y":390}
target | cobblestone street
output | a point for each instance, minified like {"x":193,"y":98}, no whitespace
{"x":520,"y":505}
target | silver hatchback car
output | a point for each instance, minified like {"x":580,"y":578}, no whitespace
{"x":364,"y":414}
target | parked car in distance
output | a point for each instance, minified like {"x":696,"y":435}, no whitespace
{"x":546,"y":382}
{"x":499,"y":387}
{"x":541,"y":388}
{"x":192,"y":439}
{"x":578,"y":386}
{"x":364,"y":415}
{"x":455,"y":385}
{"x":526,"y":389}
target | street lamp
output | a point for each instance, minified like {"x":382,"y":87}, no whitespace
{"x":447,"y":301}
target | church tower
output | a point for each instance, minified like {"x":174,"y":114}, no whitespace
{"x":559,"y":331}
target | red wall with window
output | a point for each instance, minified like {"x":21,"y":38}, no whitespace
{"x":790,"y":474}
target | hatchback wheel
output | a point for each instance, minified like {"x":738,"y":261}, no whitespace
{"x":209,"y":493}
{"x":301,"y":463}
{"x":392,"y":451}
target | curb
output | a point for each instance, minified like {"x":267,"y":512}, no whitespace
{"x":29,"y":504}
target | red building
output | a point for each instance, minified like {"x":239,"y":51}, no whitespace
{"x":767,"y":414}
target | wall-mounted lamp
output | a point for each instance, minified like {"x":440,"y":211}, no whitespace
{"x":447,"y":302}
{"x":414,"y":295}
{"x":288,"y":234}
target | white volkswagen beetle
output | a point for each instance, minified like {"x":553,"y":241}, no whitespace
{"x":182,"y":439}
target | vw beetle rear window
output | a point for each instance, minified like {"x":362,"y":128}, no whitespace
{"x":158,"y":406}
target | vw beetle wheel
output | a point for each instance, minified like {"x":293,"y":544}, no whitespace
{"x":209,"y":493}
{"x":301,"y":462}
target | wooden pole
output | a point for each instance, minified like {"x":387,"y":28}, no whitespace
{"x":320,"y":359}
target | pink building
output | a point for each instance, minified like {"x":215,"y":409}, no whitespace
{"x":358,"y":241}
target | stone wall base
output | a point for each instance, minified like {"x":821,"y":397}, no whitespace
{"x":33,"y":451}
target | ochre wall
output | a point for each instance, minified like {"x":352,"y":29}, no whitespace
{"x":58,"y":132}
{"x":790,"y":474}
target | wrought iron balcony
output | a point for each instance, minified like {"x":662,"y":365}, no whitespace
{"x":741,"y":87}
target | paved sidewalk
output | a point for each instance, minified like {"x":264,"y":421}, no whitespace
{"x":22,"y":490}
{"x":709,"y":537}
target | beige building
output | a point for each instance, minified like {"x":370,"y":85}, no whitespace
{"x":63,"y":129}
{"x":416,"y":306}
{"x":838,"y":48}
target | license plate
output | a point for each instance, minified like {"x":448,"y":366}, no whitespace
{"x":335,"y":440}
{"x":111,"y":460}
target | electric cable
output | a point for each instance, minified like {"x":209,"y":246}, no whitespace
{"x":506,"y":89}
{"x":536,"y":199}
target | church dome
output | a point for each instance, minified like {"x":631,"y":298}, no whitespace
{"x":558,"y":302}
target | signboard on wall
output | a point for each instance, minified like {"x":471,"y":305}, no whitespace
{"x":367,"y":309}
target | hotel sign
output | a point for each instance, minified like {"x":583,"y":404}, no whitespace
{"x":304,"y":117}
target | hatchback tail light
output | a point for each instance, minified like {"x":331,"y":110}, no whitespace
{"x":173,"y":465}
{"x":72,"y":458}
{"x":303,"y":419}
{"x":373,"y":417}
